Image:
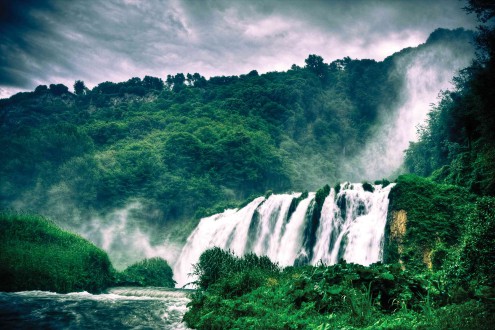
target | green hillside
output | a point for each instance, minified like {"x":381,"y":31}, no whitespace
{"x":189,"y":146}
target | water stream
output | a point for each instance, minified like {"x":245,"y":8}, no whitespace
{"x":119,"y":308}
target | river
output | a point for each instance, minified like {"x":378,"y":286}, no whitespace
{"x":118,"y":308}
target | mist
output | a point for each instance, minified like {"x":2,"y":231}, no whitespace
{"x":427,"y":72}
{"x":125,"y":233}
{"x":127,"y":238}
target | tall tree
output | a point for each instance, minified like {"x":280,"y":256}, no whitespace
{"x":79,"y":87}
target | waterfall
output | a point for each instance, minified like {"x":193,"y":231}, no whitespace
{"x":351,"y":227}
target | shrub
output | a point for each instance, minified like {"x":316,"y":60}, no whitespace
{"x":149,"y":272}
{"x":216,"y":263}
{"x":252,"y":293}
{"x":368,"y":187}
{"x":383,"y":182}
{"x":436,"y":215}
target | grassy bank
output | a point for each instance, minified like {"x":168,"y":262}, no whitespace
{"x":35,"y":254}
{"x":148,"y":272}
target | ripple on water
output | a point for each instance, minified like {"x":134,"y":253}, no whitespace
{"x":119,"y":308}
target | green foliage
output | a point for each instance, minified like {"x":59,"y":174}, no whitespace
{"x":477,"y":260}
{"x":79,"y":87}
{"x":456,"y":145}
{"x":383,"y":182}
{"x":295,"y":202}
{"x":320,"y":196}
{"x":361,"y":304}
{"x":148,"y":272}
{"x":435,"y":216}
{"x":58,"y":89}
{"x":339,"y":296}
{"x":238,"y":293}
{"x":448,"y":230}
{"x":37,"y":255}
{"x":216,"y":264}
{"x":368,"y":187}
{"x":189,"y":145}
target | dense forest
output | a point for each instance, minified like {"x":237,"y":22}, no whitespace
{"x":456,"y":145}
{"x":187,"y":146}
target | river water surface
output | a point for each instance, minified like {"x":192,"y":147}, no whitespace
{"x":119,"y":308}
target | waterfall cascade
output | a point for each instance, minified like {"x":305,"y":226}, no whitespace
{"x":351,"y":226}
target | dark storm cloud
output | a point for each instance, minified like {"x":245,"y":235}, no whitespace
{"x":45,"y":42}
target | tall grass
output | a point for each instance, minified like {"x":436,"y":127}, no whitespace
{"x":35,"y":254}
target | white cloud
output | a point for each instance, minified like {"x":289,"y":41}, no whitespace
{"x":97,"y":41}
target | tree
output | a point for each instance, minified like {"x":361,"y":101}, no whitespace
{"x":177,"y":82}
{"x":153,"y":83}
{"x":41,"y":89}
{"x":315,"y":64}
{"x":58,"y":89}
{"x":80,"y":88}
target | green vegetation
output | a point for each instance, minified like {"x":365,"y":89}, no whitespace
{"x":383,"y":182}
{"x":189,"y":146}
{"x":450,"y":229}
{"x":368,"y":187}
{"x":37,"y":255}
{"x":436,"y":217}
{"x":447,"y":232}
{"x":149,"y":272}
{"x":439,"y":274}
{"x":438,"y":245}
{"x":457,"y":143}
{"x":252,"y":293}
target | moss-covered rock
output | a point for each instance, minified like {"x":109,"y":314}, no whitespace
{"x":422,"y":217}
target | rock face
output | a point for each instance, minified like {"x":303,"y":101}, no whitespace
{"x":398,"y":227}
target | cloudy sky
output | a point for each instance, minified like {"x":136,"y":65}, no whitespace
{"x":58,"y":41}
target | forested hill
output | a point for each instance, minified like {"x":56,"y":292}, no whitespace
{"x":457,"y":143}
{"x":186,"y":145}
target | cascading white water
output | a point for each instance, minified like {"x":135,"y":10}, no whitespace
{"x":351,"y":226}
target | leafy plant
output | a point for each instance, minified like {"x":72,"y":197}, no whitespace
{"x":148,"y":272}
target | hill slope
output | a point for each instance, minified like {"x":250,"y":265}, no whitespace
{"x":189,"y":146}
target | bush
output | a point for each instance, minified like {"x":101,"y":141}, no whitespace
{"x":35,"y":254}
{"x":368,"y":187}
{"x":477,"y":250}
{"x":149,"y":272}
{"x":215,"y":264}
{"x":383,"y":182}
{"x":251,"y":292}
